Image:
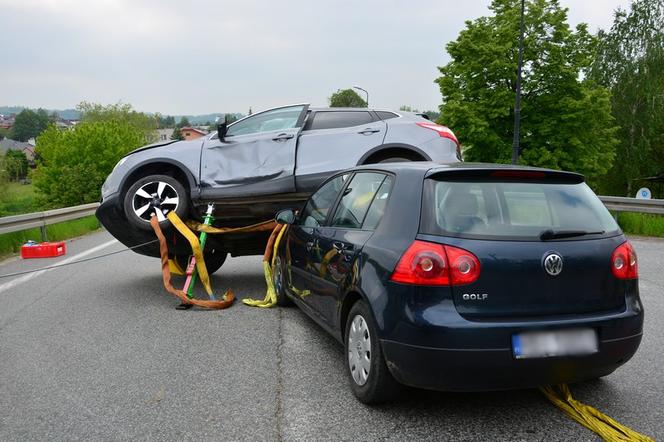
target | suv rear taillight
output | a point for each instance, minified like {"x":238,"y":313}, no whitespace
{"x":623,"y":262}
{"x":443,"y":131}
{"x":426,"y":263}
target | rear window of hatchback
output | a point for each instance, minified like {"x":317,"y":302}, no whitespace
{"x":497,"y":209}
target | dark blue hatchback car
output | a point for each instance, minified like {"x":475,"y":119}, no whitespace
{"x":463,"y":277}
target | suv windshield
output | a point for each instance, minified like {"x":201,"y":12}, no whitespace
{"x":522,"y":210}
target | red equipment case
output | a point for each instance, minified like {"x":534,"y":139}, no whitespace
{"x":43,"y":250}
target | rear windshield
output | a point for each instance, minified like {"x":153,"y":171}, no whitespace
{"x":503,"y":210}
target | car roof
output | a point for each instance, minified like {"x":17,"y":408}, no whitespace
{"x":318,"y":109}
{"x":429,"y":168}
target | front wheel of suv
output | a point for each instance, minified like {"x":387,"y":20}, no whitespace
{"x":154,"y":195}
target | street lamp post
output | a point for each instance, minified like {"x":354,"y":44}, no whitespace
{"x":365,"y":91}
{"x":517,"y":99}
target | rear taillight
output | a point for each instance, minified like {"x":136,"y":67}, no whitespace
{"x":426,"y":263}
{"x":443,"y":131}
{"x":624,"y":264}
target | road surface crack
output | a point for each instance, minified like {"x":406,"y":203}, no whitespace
{"x":279,"y":415}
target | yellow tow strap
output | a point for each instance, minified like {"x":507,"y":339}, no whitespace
{"x":589,"y":417}
{"x":270,"y":298}
{"x":195,"y":247}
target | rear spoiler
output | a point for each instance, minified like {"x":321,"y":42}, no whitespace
{"x":506,"y":174}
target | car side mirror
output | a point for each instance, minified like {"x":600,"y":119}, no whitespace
{"x":285,"y":217}
{"x":222,"y":128}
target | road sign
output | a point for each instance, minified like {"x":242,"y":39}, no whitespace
{"x":643,"y":194}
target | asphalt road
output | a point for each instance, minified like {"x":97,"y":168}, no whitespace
{"x":96,"y":351}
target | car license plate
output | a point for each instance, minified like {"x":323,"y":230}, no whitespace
{"x":544,"y":344}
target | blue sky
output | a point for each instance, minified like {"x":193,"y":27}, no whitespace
{"x":199,"y":56}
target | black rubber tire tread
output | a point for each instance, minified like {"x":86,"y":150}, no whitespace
{"x":395,"y":160}
{"x":381,"y":385}
{"x":183,"y":205}
{"x":282,"y":298}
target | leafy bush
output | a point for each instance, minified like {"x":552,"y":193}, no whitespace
{"x":73,"y":164}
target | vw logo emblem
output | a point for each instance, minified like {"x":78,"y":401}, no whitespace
{"x":553,"y":264}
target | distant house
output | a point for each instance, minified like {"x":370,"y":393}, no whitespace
{"x":164,"y":134}
{"x":19,"y":146}
{"x":191,"y":133}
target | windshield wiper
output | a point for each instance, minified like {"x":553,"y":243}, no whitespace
{"x":548,"y":234}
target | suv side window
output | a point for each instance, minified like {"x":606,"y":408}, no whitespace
{"x":356,"y":200}
{"x":386,"y":115}
{"x":321,"y":202}
{"x":338,"y":119}
{"x":275,"y":119}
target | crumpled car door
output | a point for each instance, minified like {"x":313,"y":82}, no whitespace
{"x":257,"y":157}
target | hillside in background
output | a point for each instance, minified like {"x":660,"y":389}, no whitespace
{"x":73,"y":114}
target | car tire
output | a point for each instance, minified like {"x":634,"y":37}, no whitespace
{"x":370,"y":379}
{"x":214,"y":259}
{"x":279,"y":279}
{"x":141,"y":197}
{"x":395,"y":160}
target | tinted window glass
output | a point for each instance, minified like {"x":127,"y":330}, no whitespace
{"x":510,"y":209}
{"x":377,"y":208}
{"x":333,"y":120}
{"x":276,"y":119}
{"x":385,"y":115}
{"x":356,"y":200}
{"x":320,"y":203}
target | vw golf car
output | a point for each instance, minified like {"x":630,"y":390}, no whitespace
{"x":463,"y":277}
{"x":255,"y":166}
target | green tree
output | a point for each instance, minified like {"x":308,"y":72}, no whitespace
{"x":120,"y":112}
{"x":73,"y":164}
{"x":566,"y":121}
{"x":346,"y":98}
{"x":3,"y":133}
{"x":177,"y":135}
{"x":184,"y":122}
{"x":29,"y":124}
{"x":16,"y":164}
{"x":630,"y":61}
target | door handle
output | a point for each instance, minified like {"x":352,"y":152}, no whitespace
{"x":283,"y":137}
{"x":368,"y":131}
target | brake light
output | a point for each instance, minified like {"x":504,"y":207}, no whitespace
{"x":527,"y":174}
{"x":443,"y":131}
{"x":624,"y":264}
{"x":426,"y":263}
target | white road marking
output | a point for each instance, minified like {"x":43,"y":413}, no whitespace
{"x":25,"y":278}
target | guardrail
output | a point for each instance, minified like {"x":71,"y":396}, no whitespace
{"x":42,"y":219}
{"x":16,"y":223}
{"x":624,"y":204}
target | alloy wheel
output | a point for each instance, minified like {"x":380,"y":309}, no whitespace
{"x":156,"y":197}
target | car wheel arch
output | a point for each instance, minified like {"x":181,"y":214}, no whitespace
{"x":160,"y":167}
{"x":347,"y":303}
{"x":385,"y":151}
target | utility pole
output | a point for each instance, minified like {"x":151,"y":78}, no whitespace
{"x":517,"y":99}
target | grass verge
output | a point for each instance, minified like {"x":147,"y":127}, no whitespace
{"x":11,"y":242}
{"x":641,"y":224}
{"x":17,"y":198}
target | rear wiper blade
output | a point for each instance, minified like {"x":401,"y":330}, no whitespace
{"x":556,"y":234}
